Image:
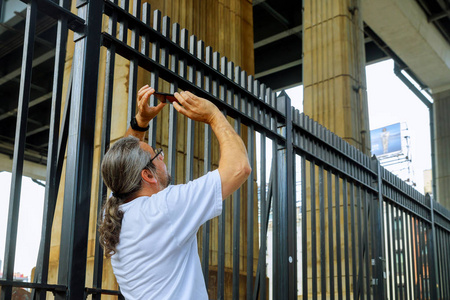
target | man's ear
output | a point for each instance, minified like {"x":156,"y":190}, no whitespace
{"x":148,"y":176}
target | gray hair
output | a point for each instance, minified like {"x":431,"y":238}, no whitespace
{"x":121,"y":171}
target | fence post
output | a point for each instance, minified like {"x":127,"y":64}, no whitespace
{"x":77,"y":191}
{"x":378,"y":282}
{"x":287,"y":237}
{"x":434,"y":294}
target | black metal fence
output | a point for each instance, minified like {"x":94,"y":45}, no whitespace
{"x":365,"y":234}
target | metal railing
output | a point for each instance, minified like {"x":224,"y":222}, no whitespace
{"x":365,"y":233}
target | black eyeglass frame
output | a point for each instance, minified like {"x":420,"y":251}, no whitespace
{"x":158,"y":152}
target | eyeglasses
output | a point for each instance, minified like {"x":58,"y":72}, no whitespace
{"x":158,"y":151}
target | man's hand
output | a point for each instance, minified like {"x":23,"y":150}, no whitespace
{"x":195,"y":108}
{"x":146,"y":112}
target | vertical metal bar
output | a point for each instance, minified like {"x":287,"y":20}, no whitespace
{"x":338,"y":236}
{"x":313,"y":229}
{"x":395,"y":248}
{"x":230,"y":91}
{"x":446,"y":251}
{"x":380,"y":258}
{"x":206,"y":226}
{"x":403,"y":254}
{"x":250,"y":209}
{"x":236,"y":226}
{"x":441,"y":260}
{"x":75,"y":222}
{"x":408,"y":258}
{"x":367,"y":210}
{"x":400,"y":252}
{"x":426,"y":250}
{"x":123,"y":27}
{"x":263,"y":231}
{"x":276,"y":257}
{"x":221,"y":255}
{"x":330,"y":233}
{"x":422,"y":255}
{"x":446,"y":255}
{"x":165,"y":31}
{"x":304,"y":230}
{"x":290,"y":203}
{"x":52,"y":185}
{"x":209,"y":60}
{"x":431,"y":239}
{"x":145,"y":39}
{"x":193,"y":51}
{"x":19,"y":147}
{"x":353,"y":231}
{"x":173,"y":115}
{"x":132,"y":82}
{"x":346,"y":239}
{"x":323,"y":277}
{"x":390,"y":246}
{"x":250,"y":204}
{"x":359,"y":200}
{"x":154,"y":77}
{"x":419,"y":289}
{"x":105,"y":140}
{"x":242,"y":80}
{"x":373,"y":288}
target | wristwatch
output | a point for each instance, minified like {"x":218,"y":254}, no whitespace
{"x":135,"y":126}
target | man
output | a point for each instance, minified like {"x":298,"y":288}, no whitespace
{"x":148,"y":227}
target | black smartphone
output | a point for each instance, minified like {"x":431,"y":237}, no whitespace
{"x":168,"y":97}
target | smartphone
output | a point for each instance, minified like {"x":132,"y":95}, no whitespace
{"x":168,"y":97}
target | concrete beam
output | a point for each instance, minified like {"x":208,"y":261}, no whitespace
{"x":404,"y":27}
{"x":32,"y":103}
{"x":279,"y":68}
{"x":279,"y":36}
{"x":30,"y":169}
{"x":37,"y":61}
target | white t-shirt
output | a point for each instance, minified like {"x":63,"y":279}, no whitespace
{"x":157,"y":256}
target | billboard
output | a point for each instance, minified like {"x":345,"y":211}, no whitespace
{"x":386,"y":140}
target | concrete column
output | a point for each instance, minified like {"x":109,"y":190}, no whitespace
{"x":442,"y":142}
{"x":334,"y":95}
{"x":334,"y":69}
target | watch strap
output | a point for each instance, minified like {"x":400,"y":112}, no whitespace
{"x":134,"y":125}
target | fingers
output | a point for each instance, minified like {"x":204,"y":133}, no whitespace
{"x":145,"y":94}
{"x":183,"y":98}
{"x":179,"y":108}
{"x":142,"y":90}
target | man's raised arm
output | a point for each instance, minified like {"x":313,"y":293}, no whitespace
{"x":234,"y":167}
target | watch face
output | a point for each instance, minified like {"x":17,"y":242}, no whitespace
{"x":166,"y":97}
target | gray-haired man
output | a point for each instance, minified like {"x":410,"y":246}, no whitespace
{"x":149,"y":227}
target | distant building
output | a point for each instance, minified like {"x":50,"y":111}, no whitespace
{"x":427,"y":182}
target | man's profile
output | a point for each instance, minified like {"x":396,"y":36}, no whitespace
{"x":148,"y":227}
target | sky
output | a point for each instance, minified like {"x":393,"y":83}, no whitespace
{"x":390,"y":101}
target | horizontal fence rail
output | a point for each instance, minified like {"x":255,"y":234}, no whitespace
{"x":316,"y":219}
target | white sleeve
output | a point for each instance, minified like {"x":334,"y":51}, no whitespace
{"x":192,"y":204}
